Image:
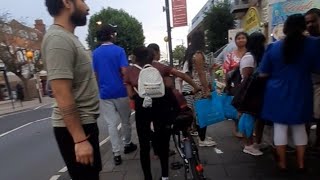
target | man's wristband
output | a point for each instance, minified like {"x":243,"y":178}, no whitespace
{"x":83,"y":140}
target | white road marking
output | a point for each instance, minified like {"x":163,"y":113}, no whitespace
{"x":218,"y":151}
{"x":56,"y":177}
{"x":41,"y":106}
{"x":13,"y":130}
{"x":108,"y":138}
{"x":65,"y":169}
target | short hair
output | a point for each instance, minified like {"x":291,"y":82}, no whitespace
{"x":155,"y":47}
{"x":143,"y":55}
{"x":54,"y":6}
{"x":315,"y":11}
{"x":104,"y":33}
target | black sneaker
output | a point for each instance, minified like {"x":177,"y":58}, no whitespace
{"x":130,"y":148}
{"x":117,"y":160}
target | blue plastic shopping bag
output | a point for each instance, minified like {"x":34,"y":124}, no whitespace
{"x":209,"y":111}
{"x":246,"y":125}
{"x":230,"y":112}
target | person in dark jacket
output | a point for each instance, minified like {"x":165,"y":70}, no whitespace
{"x":20,"y":93}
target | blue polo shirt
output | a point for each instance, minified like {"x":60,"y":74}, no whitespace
{"x":108,"y":59}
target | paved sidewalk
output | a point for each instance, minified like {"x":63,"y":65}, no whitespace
{"x":7,"y":108}
{"x":232,"y":164}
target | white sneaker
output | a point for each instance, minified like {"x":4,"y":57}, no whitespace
{"x":313,"y":127}
{"x":252,"y":150}
{"x":260,"y":146}
{"x":209,"y":138}
{"x":207,"y":143}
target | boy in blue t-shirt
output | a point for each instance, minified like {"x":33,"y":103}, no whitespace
{"x":110,"y":63}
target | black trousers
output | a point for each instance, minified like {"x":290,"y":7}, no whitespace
{"x":161,"y":114}
{"x":202,"y":132}
{"x":76,"y":170}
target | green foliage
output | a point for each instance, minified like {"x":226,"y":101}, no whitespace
{"x":217,"y":23}
{"x":178,"y":54}
{"x":129,"y":30}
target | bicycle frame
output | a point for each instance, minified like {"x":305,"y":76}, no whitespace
{"x":188,"y":150}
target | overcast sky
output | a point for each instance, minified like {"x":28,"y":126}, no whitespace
{"x":148,"y":12}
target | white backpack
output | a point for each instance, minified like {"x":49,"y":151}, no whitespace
{"x":150,"y":84}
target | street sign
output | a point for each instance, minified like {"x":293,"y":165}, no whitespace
{"x":179,"y":13}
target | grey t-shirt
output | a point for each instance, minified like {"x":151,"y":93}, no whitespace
{"x":66,"y":58}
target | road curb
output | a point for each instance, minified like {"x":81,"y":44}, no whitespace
{"x":14,"y":112}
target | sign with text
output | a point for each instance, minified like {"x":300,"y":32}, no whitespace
{"x":179,"y":13}
{"x":252,"y":20}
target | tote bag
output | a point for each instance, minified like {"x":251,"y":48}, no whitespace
{"x":230,"y":112}
{"x":209,"y":111}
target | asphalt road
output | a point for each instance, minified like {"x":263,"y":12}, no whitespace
{"x":28,"y":149}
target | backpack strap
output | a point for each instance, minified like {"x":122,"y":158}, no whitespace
{"x":147,"y":65}
{"x":137,"y":66}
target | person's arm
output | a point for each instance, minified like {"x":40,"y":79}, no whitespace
{"x":123,"y":63}
{"x":227,"y":63}
{"x":60,"y":57}
{"x":95,"y":66}
{"x":315,"y":65}
{"x":199,"y":67}
{"x":130,"y":91}
{"x":62,"y":89}
{"x":247,"y":72}
{"x":127,"y":83}
{"x":265,"y":66}
{"x":186,"y":78}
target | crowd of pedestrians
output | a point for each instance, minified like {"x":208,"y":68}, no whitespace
{"x":87,"y":87}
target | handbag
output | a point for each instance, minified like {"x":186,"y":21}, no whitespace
{"x":249,"y":95}
{"x":209,"y":111}
{"x":233,"y":80}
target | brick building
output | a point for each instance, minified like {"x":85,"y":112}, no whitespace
{"x":21,"y":38}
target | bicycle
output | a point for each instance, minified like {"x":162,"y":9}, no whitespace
{"x":186,"y":146}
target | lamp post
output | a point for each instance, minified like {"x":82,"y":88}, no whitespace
{"x":29,"y":55}
{"x":167,"y":9}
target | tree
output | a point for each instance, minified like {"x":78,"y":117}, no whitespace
{"x":129,"y":30}
{"x":217,"y":23}
{"x":178,"y":54}
{"x":14,"y":45}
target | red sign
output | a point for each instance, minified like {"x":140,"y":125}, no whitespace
{"x":179,"y":13}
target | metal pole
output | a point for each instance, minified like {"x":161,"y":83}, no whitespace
{"x":38,"y":87}
{"x":169,"y":32}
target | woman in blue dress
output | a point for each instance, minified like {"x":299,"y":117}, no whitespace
{"x":288,"y":100}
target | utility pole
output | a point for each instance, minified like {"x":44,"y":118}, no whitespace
{"x":167,"y":9}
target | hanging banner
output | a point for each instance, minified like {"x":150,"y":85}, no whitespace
{"x":179,"y":13}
